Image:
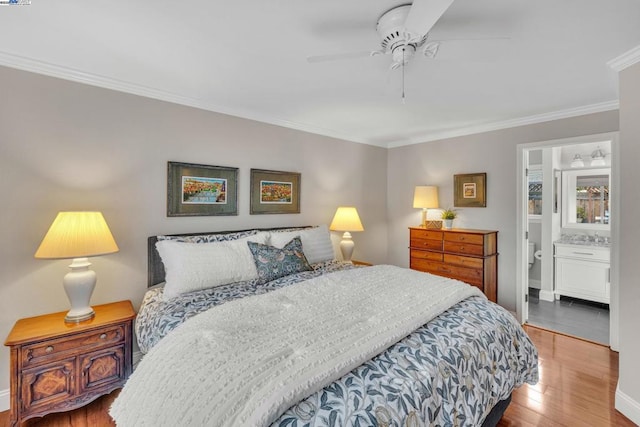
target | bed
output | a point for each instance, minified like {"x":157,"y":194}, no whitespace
{"x":325,"y":344}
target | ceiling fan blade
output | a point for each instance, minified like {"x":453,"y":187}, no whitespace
{"x":346,"y":55}
{"x":424,"y":14}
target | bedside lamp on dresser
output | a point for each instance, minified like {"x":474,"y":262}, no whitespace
{"x":426,"y":197}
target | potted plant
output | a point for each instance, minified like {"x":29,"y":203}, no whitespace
{"x":581,"y":214}
{"x":448,"y":215}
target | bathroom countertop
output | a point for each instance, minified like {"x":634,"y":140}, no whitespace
{"x":567,"y":242}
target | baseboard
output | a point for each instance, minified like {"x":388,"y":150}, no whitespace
{"x":5,"y":395}
{"x":535,"y":284}
{"x":5,"y":402}
{"x":627,"y":406}
{"x":546,"y":295}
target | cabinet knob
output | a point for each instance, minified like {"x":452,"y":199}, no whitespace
{"x":103,"y":336}
{"x":49,"y":349}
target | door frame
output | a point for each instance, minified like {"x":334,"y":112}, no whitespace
{"x":522,"y":270}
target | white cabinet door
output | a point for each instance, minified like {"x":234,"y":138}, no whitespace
{"x":587,"y":280}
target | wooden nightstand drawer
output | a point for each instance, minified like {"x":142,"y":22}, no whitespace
{"x":463,"y":261}
{"x":54,"y":349}
{"x":433,"y":256}
{"x":102,"y":368}
{"x":475,"y":239}
{"x":463,"y":248}
{"x":47,"y":385}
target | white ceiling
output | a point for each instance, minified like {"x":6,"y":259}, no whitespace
{"x":248,"y":58}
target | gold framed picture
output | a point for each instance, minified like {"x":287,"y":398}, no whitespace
{"x":201,"y":190}
{"x":274,"y":192}
{"x":470,"y":190}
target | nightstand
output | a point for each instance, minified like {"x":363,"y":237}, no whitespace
{"x":58,"y":366}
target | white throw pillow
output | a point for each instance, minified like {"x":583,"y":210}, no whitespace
{"x":192,"y":266}
{"x":316,"y":242}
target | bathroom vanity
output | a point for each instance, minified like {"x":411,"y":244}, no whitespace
{"x":582,"y":270}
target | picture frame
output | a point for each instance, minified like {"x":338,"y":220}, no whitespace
{"x":274,"y":192}
{"x":470,"y":190}
{"x":201,"y":190}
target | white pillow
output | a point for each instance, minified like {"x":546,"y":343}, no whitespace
{"x":192,"y":266}
{"x":316,"y":242}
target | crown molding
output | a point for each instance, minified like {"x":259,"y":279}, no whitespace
{"x":523,"y":121}
{"x":625,"y":60}
{"x":66,"y":73}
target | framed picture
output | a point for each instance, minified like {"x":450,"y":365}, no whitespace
{"x":470,"y":190}
{"x":274,"y":192}
{"x":201,"y":190}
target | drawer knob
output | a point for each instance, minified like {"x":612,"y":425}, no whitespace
{"x":461,"y":237}
{"x":49,"y":349}
{"x":103,"y":336}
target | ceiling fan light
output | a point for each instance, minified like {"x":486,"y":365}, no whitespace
{"x":577,"y":161}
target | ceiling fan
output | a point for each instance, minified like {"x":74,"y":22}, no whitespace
{"x":403,"y":31}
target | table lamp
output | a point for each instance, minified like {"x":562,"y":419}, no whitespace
{"x":346,"y":219}
{"x":426,"y":197}
{"x":78,"y":235}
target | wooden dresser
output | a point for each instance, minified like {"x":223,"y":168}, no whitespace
{"x":467,"y":255}
{"x":57,"y":366}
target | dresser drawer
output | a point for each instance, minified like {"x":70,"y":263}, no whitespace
{"x":435,"y":245}
{"x":464,"y":261}
{"x":50,"y":350}
{"x":463,"y":248}
{"x":475,"y":239}
{"x":433,"y":256}
{"x":425,"y":234}
{"x":469,"y":275}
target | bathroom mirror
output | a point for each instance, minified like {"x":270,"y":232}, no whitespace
{"x":585,"y":198}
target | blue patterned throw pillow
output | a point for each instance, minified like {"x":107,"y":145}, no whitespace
{"x":273,"y":263}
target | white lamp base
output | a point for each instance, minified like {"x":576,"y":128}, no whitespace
{"x":79,"y":284}
{"x":346,"y":246}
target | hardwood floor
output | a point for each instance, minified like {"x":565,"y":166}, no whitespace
{"x":577,"y":386}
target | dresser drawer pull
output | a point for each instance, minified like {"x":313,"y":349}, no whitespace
{"x":49,"y":349}
{"x":583,"y":253}
{"x":461,"y":238}
{"x":103,"y":336}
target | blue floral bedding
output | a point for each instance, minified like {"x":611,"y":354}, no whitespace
{"x":449,"y":372}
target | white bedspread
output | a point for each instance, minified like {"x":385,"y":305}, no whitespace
{"x":245,"y":362}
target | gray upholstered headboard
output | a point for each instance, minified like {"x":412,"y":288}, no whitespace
{"x":155,"y":268}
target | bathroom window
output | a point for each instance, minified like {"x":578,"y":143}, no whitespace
{"x":535,"y":193}
{"x":586,"y":204}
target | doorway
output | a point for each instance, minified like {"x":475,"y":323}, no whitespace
{"x":567,"y":266}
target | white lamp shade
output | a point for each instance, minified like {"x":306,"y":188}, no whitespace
{"x":77,"y":235}
{"x":346,"y":219}
{"x":426,"y":197}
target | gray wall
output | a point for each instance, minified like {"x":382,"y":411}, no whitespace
{"x":435,"y":163}
{"x":629,"y":288}
{"x":68,"y":146}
